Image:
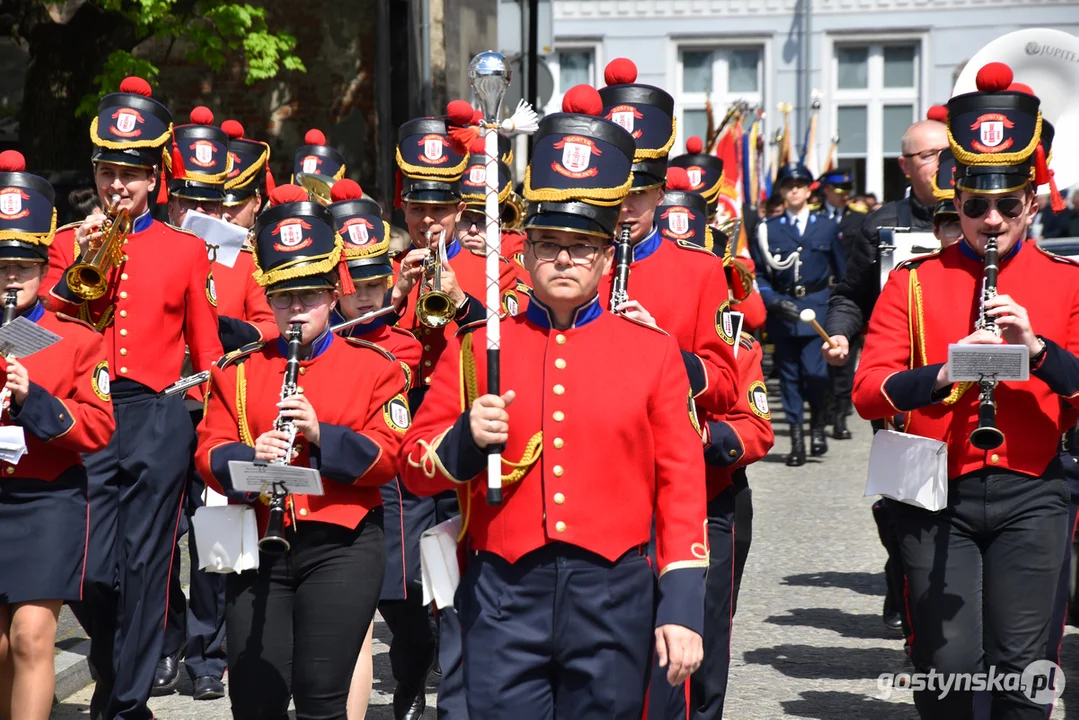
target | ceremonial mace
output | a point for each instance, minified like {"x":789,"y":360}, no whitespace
{"x":489,"y":76}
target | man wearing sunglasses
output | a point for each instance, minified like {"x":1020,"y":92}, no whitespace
{"x":981,"y":573}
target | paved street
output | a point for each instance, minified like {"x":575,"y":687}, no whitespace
{"x":808,"y":640}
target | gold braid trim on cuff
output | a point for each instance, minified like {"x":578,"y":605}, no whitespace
{"x":607,"y":197}
{"x":301,"y":267}
{"x":655,"y":154}
{"x":44,"y":238}
{"x":958,"y":390}
{"x":420,"y":172}
{"x":127,"y":144}
{"x":966,"y":157}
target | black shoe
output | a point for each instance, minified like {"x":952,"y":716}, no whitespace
{"x":167,"y":676}
{"x":409,"y":704}
{"x":893,"y":621}
{"x":797,"y":455}
{"x":840,"y":431}
{"x":208,"y":687}
{"x":818,"y":442}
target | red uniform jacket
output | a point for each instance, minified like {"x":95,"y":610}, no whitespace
{"x":617,"y":448}
{"x":744,"y":435}
{"x":471,"y":271}
{"x":158,"y":302}
{"x":67,"y":411}
{"x":905,"y":333}
{"x":240,"y":297}
{"x":685,"y":290}
{"x":402,"y":344}
{"x":357,"y":393}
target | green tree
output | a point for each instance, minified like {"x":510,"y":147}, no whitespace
{"x":80,"y":50}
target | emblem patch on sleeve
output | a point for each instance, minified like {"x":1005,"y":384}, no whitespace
{"x":211,"y":289}
{"x":509,"y":303}
{"x":758,"y":400}
{"x":396,"y":413}
{"x":99,"y":380}
{"x":725,"y":323}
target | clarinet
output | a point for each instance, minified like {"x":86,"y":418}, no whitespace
{"x":274,"y":541}
{"x":11,"y":301}
{"x":619,"y":293}
{"x":986,"y":436}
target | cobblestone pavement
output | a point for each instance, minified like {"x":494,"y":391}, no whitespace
{"x":808,"y":639}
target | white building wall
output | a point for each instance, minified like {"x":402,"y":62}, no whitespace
{"x":946,"y":33}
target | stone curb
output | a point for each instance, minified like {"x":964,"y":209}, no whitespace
{"x":72,"y":671}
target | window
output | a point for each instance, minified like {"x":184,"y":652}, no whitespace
{"x":876,"y":98}
{"x":723,"y":75}
{"x":573,"y":63}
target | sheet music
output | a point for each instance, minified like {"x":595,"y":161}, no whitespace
{"x":969,"y":363}
{"x":22,"y":338}
{"x":227,"y":238}
{"x":258,"y":477}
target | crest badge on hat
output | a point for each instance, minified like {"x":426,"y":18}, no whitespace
{"x":27,"y":212}
{"x":429,"y":162}
{"x":365,"y":234}
{"x":704,"y":170}
{"x":646,"y":113}
{"x":250,"y":165}
{"x":296,"y":244}
{"x":131,"y":128}
{"x":683,"y":214}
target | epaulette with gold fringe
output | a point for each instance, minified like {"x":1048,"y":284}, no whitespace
{"x":240,"y":354}
{"x":911,"y":263}
{"x":77,"y":321}
{"x":692,"y":246}
{"x":858,"y":208}
{"x":360,"y":342}
{"x":1057,"y":258}
{"x":661,"y":331}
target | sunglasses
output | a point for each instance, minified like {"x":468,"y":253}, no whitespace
{"x":1009,"y":207}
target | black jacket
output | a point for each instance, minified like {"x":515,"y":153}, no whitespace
{"x":854,"y":297}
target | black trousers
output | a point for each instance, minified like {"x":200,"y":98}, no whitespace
{"x":982,"y":575}
{"x":135,"y":489}
{"x":297,"y":623}
{"x":842,"y":379}
{"x":743,"y":537}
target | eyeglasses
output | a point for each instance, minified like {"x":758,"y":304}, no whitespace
{"x":308,"y":298}
{"x":1009,"y":207}
{"x":22,"y":272}
{"x":925,"y":155}
{"x":579,"y":254}
{"x":950,"y":229}
{"x":470,"y":219}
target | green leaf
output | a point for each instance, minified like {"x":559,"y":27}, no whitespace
{"x":119,"y":65}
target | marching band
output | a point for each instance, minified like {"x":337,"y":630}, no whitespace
{"x":349,"y":403}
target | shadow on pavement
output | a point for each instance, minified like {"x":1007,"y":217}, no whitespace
{"x":865,"y":583}
{"x":842,"y":706}
{"x":865,"y":627}
{"x":830,"y":663}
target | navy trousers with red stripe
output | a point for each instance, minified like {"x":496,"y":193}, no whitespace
{"x":708,"y":686}
{"x":135,"y":490}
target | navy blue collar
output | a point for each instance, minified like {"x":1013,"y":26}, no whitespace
{"x":142,"y":222}
{"x":648,"y":245}
{"x":356,"y":330}
{"x":969,"y":252}
{"x":319,"y":346}
{"x":539,"y":314}
{"x":452,"y":248}
{"x":35,"y":313}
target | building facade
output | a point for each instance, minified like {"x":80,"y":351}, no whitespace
{"x":875,"y":65}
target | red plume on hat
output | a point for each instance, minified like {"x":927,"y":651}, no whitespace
{"x":582,"y":99}
{"x":345,"y":189}
{"x":314,"y":136}
{"x":286,"y":194}
{"x":620,"y":71}
{"x":136,"y":86}
{"x":233,"y":129}
{"x":938,"y":113}
{"x":994,"y":77}
{"x":12,"y":161}
{"x":463,"y":128}
{"x":694,"y":145}
{"x":678,"y":179}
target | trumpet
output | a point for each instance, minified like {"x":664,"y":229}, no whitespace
{"x":619,"y":288}
{"x":987,"y":436}
{"x":513,"y":213}
{"x":89,"y":278}
{"x":318,"y":187}
{"x":273,"y":542}
{"x":434,"y":308}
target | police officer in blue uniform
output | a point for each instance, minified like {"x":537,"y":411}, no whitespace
{"x":798,"y":257}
